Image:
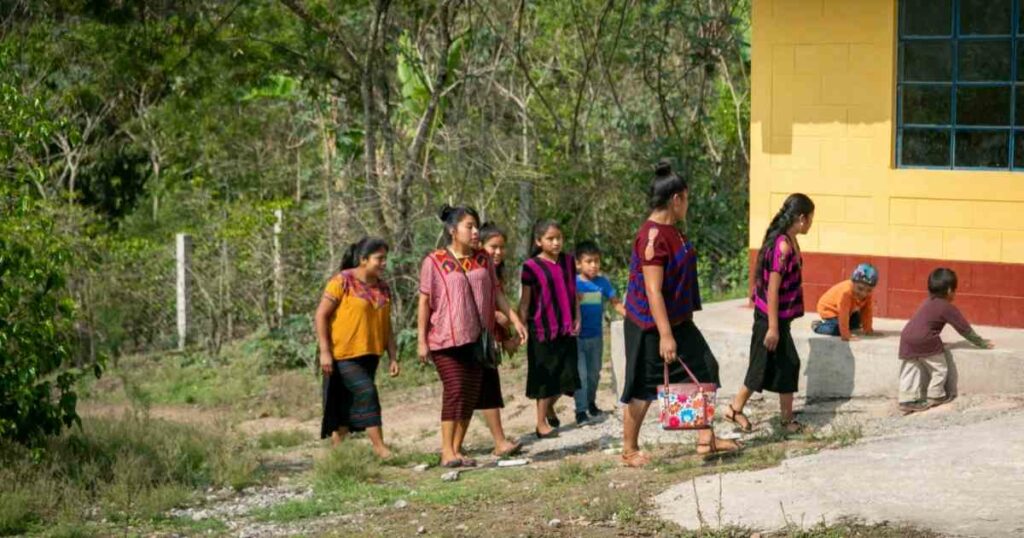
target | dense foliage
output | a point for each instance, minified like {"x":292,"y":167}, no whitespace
{"x":127,"y":121}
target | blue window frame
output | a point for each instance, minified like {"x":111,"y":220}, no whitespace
{"x":960,"y":85}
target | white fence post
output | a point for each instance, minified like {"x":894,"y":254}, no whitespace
{"x":278,"y":267}
{"x":183,"y":256}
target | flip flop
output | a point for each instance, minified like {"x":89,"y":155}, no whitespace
{"x":468,"y":462}
{"x":550,"y":435}
{"x":511,"y":451}
{"x":453,"y":464}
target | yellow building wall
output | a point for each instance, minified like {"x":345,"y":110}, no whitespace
{"x":823,"y":123}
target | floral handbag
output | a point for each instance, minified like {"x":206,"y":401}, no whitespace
{"x":687,"y":406}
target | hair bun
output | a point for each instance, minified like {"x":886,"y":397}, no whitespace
{"x":446,"y":211}
{"x":663,"y":168}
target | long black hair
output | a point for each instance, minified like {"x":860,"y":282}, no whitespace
{"x":665,"y":185}
{"x":361,"y":250}
{"x":451,"y":216}
{"x":796,"y":205}
{"x":539,"y":230}
{"x":488,"y":231}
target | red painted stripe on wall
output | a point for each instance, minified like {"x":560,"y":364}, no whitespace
{"x":988,"y":294}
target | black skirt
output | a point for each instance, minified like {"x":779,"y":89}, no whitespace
{"x":774,"y":371}
{"x":551,"y":367}
{"x":490,"y":389}
{"x":350,"y":396}
{"x":645,"y":370}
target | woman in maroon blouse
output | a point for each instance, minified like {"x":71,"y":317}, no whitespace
{"x":659,"y":329}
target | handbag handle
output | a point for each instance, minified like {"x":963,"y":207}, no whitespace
{"x":685,"y":367}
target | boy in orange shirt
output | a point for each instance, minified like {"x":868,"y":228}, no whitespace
{"x":847,"y":305}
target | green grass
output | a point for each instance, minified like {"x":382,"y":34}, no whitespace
{"x":841,"y":435}
{"x":124,"y":471}
{"x":295,"y":510}
{"x":622,"y":505}
{"x":237,"y":379}
{"x":413,"y":374}
{"x":569,"y":472}
{"x":739,"y":292}
{"x":408,"y":458}
{"x":850,"y":527}
{"x":281,"y":439}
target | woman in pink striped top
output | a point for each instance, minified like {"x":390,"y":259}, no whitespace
{"x":778,"y":300}
{"x":459,"y":296}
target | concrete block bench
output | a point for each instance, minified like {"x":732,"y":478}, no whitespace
{"x":831,"y":368}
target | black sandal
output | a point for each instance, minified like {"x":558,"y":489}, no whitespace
{"x":550,"y":435}
{"x":732,"y":418}
{"x":793,"y":427}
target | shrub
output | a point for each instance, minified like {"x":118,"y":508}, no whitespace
{"x":123,"y":470}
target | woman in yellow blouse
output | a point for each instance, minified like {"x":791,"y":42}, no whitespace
{"x":353,"y":326}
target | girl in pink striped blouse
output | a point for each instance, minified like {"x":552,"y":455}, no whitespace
{"x":778,"y":300}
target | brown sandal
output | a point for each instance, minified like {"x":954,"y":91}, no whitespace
{"x":637,"y":459}
{"x":715,"y":452}
{"x":733,"y":418}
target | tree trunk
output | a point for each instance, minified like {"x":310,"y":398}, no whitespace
{"x":367,"y":91}
{"x":327,"y":147}
{"x":524,"y":215}
{"x":412,"y":162}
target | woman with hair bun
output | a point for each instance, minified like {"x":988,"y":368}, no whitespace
{"x":459,"y":295}
{"x":660,"y":301}
{"x":353,"y":327}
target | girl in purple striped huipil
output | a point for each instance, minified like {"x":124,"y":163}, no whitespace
{"x":778,"y":300}
{"x":551,"y":311}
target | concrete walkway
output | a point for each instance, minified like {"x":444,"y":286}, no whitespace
{"x":965,"y":480}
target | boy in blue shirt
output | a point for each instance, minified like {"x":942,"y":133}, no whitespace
{"x":593,"y":291}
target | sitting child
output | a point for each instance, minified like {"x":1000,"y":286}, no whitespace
{"x":847,"y":305}
{"x":921,"y":346}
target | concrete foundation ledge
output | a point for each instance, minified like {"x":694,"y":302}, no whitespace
{"x":831,"y":368}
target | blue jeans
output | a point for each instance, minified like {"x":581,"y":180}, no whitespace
{"x":590,"y":351}
{"x":830,"y":326}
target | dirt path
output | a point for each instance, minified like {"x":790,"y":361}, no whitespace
{"x":411,"y":425}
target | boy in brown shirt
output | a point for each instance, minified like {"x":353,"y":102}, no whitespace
{"x":921,"y":345}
